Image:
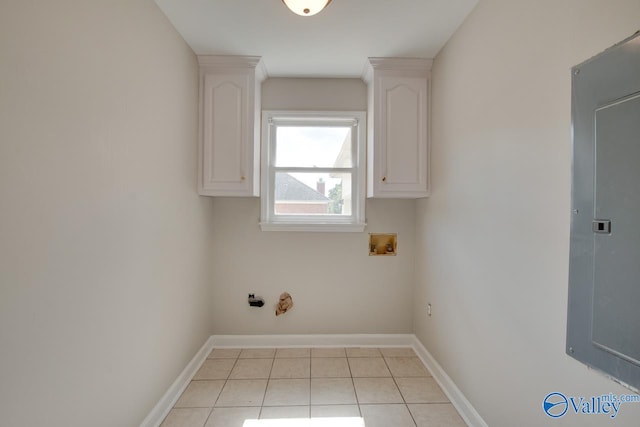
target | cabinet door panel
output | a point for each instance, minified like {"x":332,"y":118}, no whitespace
{"x":404,"y":157}
{"x":225,"y":139}
{"x":225,"y":129}
{"x":403,"y":135}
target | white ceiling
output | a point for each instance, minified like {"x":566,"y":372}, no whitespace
{"x":334,"y":43}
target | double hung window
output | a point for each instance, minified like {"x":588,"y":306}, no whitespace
{"x":313,"y":171}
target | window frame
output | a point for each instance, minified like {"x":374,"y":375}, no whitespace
{"x":355,"y":222}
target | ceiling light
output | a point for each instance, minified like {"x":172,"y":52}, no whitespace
{"x":306,"y":7}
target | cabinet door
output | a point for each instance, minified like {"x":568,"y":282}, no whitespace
{"x":402,"y":149}
{"x":226,"y":151}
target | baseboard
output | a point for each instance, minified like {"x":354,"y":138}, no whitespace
{"x":162,"y":408}
{"x":340,"y":340}
{"x":464,"y":407}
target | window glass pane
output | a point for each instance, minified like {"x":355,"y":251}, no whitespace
{"x":313,"y":146}
{"x":313,"y":194}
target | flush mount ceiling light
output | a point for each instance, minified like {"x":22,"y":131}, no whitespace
{"x":306,"y":7}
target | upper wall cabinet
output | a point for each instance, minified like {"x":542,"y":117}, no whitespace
{"x":229,"y":154}
{"x":398,"y":127}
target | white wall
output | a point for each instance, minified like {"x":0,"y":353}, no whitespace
{"x":336,"y":286}
{"x":104,"y":243}
{"x":493,"y":239}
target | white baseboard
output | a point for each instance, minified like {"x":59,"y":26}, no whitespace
{"x":341,"y":340}
{"x":162,"y":408}
{"x":464,"y":407}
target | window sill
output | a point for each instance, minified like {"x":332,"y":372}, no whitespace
{"x":325,"y":228}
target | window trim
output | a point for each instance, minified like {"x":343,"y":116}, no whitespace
{"x":322,"y":223}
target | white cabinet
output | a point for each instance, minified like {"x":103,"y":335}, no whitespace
{"x":229,"y":153}
{"x":398,"y":127}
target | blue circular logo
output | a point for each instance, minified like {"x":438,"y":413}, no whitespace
{"x":555,"y":405}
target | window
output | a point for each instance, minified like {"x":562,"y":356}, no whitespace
{"x":313,"y":171}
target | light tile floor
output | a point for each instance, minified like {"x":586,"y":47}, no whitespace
{"x":386,"y":387}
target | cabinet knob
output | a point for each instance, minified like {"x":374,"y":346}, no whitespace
{"x":242,"y":178}
{"x":384,"y":179}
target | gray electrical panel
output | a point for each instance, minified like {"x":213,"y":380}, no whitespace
{"x":603,"y":322}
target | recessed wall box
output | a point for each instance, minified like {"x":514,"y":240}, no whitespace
{"x":383,"y":244}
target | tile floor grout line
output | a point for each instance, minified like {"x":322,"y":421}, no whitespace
{"x":264,"y":396}
{"x":223,"y":385}
{"x":218,"y":396}
{"x":209,"y":416}
{"x":354,"y":384}
{"x":355,"y":392}
{"x":415,"y":423}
